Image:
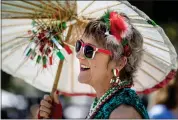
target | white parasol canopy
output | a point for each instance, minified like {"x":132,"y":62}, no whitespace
{"x":156,"y":69}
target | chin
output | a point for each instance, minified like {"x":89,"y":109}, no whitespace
{"x":83,"y":80}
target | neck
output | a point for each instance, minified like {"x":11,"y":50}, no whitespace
{"x":101,"y":89}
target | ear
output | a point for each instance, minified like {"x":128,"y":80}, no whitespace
{"x":122,"y":62}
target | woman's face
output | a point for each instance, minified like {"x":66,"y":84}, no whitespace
{"x":98,"y":67}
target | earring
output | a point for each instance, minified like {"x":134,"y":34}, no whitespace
{"x":115,"y":80}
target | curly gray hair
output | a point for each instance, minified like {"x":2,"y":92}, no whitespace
{"x":98,"y":28}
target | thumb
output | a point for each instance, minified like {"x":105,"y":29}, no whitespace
{"x":56,"y":97}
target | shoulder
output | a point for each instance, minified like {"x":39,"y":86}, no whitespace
{"x":125,"y":111}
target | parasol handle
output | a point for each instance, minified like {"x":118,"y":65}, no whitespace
{"x":59,"y":69}
{"x":56,"y":81}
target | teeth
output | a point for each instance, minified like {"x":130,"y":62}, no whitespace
{"x":83,"y":66}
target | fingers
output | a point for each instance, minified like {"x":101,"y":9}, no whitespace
{"x":45,"y":109}
{"x":48,"y":98}
{"x":44,"y":114}
{"x":46,"y":104}
{"x":56,"y":96}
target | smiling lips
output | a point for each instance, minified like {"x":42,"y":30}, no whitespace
{"x":84,"y":67}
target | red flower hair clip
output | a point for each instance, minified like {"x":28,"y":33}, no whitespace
{"x":119,"y":28}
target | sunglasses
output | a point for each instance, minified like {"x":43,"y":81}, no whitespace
{"x":89,"y":50}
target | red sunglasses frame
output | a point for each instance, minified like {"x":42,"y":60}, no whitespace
{"x":95,"y":49}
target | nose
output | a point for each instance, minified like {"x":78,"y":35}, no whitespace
{"x":80,"y":54}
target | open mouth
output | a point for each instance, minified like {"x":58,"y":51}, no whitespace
{"x":84,"y":68}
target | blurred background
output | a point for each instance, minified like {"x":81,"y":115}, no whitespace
{"x":19,"y":100}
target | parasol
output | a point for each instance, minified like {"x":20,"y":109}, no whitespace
{"x":22,"y":20}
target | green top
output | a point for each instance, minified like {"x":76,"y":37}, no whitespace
{"x":123,"y":96}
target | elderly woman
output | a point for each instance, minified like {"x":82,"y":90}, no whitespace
{"x":109,"y":53}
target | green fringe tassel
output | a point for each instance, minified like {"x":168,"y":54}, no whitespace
{"x":29,"y":51}
{"x":44,"y":60}
{"x":60,"y":55}
{"x":38,"y":59}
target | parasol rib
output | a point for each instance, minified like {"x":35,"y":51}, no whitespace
{"x":21,"y":64}
{"x":156,"y":57}
{"x":142,"y":25}
{"x":19,"y":6}
{"x":86,"y":7}
{"x":14,"y":39}
{"x":137,"y":81}
{"x":150,"y":75}
{"x":154,"y":66}
{"x":152,"y":39}
{"x":13,"y":50}
{"x":156,"y":47}
{"x":72,"y":74}
{"x":14,"y":44}
{"x":59,"y":6}
{"x":47,"y":5}
{"x":34,"y":79}
{"x":28,"y":8}
{"x":38,"y":6}
{"x":9,"y":11}
{"x":103,"y":8}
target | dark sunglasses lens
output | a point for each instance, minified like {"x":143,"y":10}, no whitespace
{"x":88,"y":51}
{"x":78,"y":46}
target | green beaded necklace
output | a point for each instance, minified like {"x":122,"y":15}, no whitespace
{"x":110,"y":92}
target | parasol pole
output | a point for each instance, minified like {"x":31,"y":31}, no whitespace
{"x":56,"y":81}
{"x":59,"y":69}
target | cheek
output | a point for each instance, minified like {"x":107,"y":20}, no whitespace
{"x":99,"y":68}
